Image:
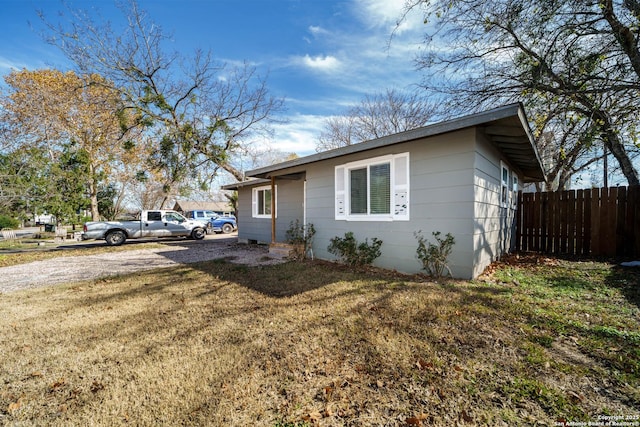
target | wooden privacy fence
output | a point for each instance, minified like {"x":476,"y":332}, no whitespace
{"x":598,"y":222}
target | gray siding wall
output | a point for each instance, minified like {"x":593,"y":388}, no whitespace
{"x":454,"y":188}
{"x":249,"y":228}
{"x":441,"y":199}
{"x":290,"y":205}
{"x":494,"y":225}
{"x":289,"y":208}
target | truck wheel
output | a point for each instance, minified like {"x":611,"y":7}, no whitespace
{"x":227,"y":228}
{"x":115,"y":238}
{"x":198,"y":233}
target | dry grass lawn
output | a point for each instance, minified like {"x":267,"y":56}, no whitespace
{"x":13,"y":253}
{"x":302,"y":344}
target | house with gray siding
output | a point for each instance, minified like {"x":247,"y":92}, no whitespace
{"x":459,"y":176}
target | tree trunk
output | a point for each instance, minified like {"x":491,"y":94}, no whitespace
{"x":164,"y":201}
{"x":238,"y":175}
{"x":624,"y":35}
{"x":616,"y":147}
{"x":117,"y":206}
{"x":564,"y":179}
{"x":93,"y":195}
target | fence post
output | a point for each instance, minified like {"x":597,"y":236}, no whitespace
{"x":621,"y":209}
{"x":544,"y":222}
{"x":608,"y":226}
{"x":634,"y":218}
{"x":579,"y":224}
{"x":571,"y":222}
{"x":595,"y":221}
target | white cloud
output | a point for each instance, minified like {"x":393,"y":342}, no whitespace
{"x":298,"y":136}
{"x":382,"y":11}
{"x":387,"y":13}
{"x":358,"y":58}
{"x":7,"y":65}
{"x":323,"y":63}
{"x":316,"y":30}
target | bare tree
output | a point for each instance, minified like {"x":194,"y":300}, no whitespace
{"x":376,"y":116}
{"x":573,"y":63}
{"x":196,"y":111}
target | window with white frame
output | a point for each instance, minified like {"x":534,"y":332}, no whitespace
{"x":375,"y":189}
{"x":504,"y":191}
{"x":261,"y":201}
{"x":514,"y":189}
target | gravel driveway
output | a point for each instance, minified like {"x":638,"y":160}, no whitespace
{"x":73,"y":269}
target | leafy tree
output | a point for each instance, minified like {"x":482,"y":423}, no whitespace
{"x":67,"y":198}
{"x":232,"y":198}
{"x":196,"y":111}
{"x":376,"y":116}
{"x":24,"y":185}
{"x":107,"y":196}
{"x":8,"y":222}
{"x":573,"y":63}
{"x":54,"y":111}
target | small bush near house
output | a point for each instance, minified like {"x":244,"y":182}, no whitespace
{"x":353,"y":253}
{"x":434,"y":256}
{"x":8,"y":222}
{"x":299,"y":234}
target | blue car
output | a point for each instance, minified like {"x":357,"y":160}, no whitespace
{"x":222,"y":224}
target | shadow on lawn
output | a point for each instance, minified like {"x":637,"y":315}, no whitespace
{"x":627,"y":280}
{"x":278,"y":281}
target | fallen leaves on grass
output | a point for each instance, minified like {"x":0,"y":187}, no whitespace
{"x":421,"y":364}
{"x":14,"y":406}
{"x":416,"y":420}
{"x":318,"y":346}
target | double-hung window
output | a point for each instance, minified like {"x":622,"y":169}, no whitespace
{"x":261,"y":201}
{"x":514,"y":196}
{"x":373,"y":189}
{"x":504,"y":188}
{"x":508,"y":187}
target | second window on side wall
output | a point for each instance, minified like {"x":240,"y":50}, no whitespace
{"x":504,"y":192}
{"x":261,"y":199}
{"x":509,"y":187}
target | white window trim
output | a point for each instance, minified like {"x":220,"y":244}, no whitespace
{"x":399,"y":187}
{"x":515,"y":183}
{"x":254,"y":201}
{"x":505,"y":187}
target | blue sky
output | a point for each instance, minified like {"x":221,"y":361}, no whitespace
{"x":320,"y":55}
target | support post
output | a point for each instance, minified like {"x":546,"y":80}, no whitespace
{"x":273,"y":209}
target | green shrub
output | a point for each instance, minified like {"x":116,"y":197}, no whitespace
{"x":353,"y":253}
{"x":434,"y":256}
{"x":8,"y":222}
{"x":299,"y":234}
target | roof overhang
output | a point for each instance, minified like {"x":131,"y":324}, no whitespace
{"x":507,"y":127}
{"x":248,"y":183}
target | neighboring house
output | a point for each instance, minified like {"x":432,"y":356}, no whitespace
{"x":460,"y":177}
{"x":221,"y":208}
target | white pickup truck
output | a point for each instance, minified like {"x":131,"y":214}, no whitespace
{"x":158,"y":223}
